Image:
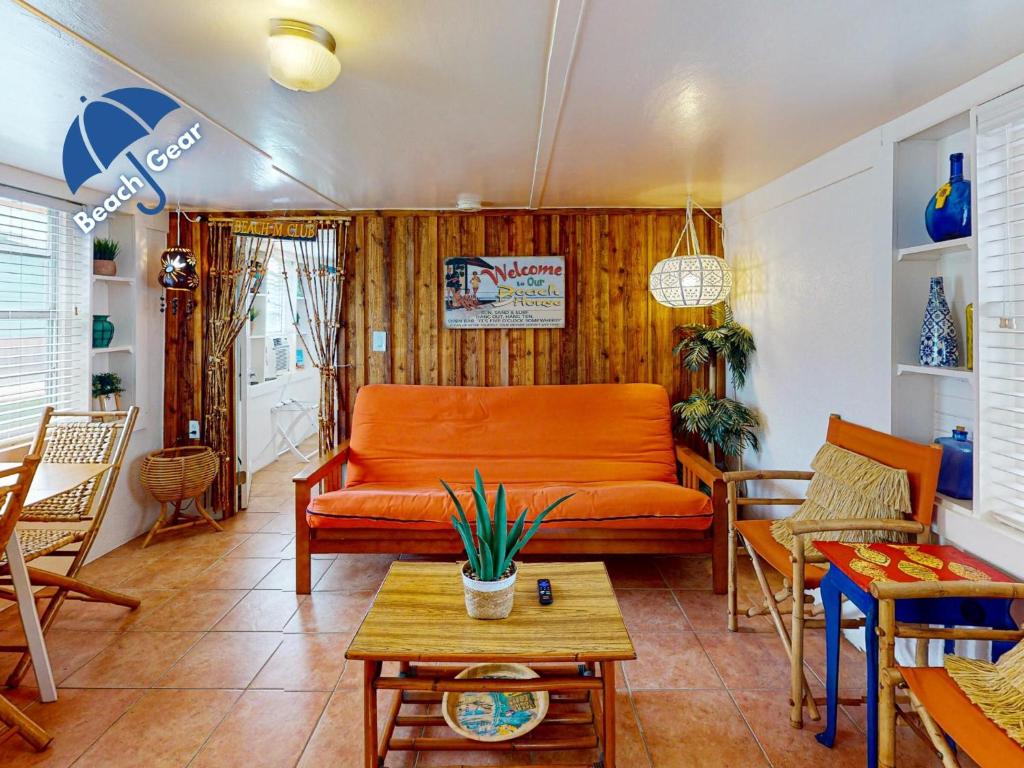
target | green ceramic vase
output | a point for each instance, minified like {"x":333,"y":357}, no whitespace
{"x":102,"y":331}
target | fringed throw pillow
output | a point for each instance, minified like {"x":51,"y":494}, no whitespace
{"x":847,"y":485}
{"x":996,"y":689}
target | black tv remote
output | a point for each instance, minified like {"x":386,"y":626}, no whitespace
{"x":544,"y":592}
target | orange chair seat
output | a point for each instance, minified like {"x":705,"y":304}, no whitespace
{"x":609,"y":504}
{"x":758,"y":536}
{"x":987,"y":744}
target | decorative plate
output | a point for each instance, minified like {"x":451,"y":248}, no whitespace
{"x":494,"y":716}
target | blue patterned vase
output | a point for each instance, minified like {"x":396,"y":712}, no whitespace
{"x":939,"y":344}
{"x":948,"y":215}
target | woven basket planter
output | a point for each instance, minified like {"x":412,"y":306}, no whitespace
{"x":489,"y":599}
{"x":175,"y":474}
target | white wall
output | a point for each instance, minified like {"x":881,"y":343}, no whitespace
{"x":812,"y":251}
{"x":261,"y":436}
{"x":131,"y":510}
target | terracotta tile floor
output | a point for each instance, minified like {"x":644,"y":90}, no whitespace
{"x":224,"y":665}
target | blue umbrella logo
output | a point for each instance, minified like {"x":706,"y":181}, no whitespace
{"x":106,"y":128}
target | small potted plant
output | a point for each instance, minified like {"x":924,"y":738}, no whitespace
{"x":106,"y":384}
{"x":104,"y":251}
{"x":489,"y":575}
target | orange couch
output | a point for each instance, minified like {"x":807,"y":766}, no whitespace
{"x":609,"y":444}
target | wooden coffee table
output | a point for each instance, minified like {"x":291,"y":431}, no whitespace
{"x":419,"y":620}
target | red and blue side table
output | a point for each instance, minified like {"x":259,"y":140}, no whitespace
{"x":853,"y":568}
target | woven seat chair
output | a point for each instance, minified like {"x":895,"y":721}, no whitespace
{"x":14,"y":485}
{"x":948,"y":717}
{"x":802,"y":570}
{"x":90,"y":437}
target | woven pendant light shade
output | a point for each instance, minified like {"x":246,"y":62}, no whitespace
{"x":693,"y":279}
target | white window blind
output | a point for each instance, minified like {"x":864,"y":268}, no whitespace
{"x":43,"y":291}
{"x":1000,"y":228}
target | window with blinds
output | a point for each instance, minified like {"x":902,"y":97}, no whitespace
{"x":1000,"y":233}
{"x":43,"y":293}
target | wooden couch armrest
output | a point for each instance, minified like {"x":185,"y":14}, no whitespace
{"x":697,"y":465}
{"x":696,"y":469}
{"x":323,"y":468}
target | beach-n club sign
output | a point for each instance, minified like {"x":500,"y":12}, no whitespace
{"x":107,"y":128}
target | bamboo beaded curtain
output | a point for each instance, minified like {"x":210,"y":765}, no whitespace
{"x":236,"y":271}
{"x":318,"y":315}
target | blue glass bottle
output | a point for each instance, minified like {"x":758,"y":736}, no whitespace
{"x":956,"y":473}
{"x":948,"y":215}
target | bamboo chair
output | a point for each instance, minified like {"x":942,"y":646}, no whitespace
{"x":938,"y":706}
{"x":83,"y":437}
{"x":801,"y":572}
{"x":12,"y":499}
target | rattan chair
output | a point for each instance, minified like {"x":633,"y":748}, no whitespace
{"x":88,"y":437}
{"x":802,"y":571}
{"x":14,"y":485}
{"x":938,"y":710}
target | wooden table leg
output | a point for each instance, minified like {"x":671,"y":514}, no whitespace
{"x":371,"y":671}
{"x":608,"y":713}
{"x":30,"y":620}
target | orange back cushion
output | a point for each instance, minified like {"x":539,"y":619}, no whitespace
{"x":576,"y":433}
{"x":921,"y":461}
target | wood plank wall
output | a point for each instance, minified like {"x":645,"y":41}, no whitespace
{"x":615,"y":331}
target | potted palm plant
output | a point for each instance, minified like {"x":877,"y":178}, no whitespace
{"x":104,"y":251}
{"x":724,"y":424}
{"x":489,"y":574}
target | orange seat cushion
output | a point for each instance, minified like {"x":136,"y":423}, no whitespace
{"x":611,"y":504}
{"x":758,"y":536}
{"x":987,"y":744}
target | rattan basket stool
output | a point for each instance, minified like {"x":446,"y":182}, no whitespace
{"x":173,"y":476}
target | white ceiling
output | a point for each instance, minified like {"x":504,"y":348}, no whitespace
{"x":542,"y":103}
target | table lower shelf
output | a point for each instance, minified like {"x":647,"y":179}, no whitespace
{"x":575,"y":718}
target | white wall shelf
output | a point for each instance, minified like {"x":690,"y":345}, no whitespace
{"x":928,"y":402}
{"x":120,"y":348}
{"x":113,"y":279}
{"x":935,"y":251}
{"x":932,"y":370}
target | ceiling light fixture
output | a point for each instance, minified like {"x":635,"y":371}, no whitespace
{"x":302,"y":56}
{"x":693,"y":280}
{"x":467,"y":201}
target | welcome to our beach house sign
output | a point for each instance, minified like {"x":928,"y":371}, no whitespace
{"x":504,"y":292}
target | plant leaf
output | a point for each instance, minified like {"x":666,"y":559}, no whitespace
{"x":533,"y":529}
{"x":467,"y":541}
{"x":487,"y":565}
{"x":483,"y":519}
{"x":500,"y":525}
{"x":517,"y":528}
{"x":460,"y":510}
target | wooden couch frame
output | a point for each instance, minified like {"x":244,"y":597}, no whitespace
{"x":695,"y":472}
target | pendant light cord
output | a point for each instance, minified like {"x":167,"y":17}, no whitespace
{"x":177,"y":209}
{"x":693,"y":244}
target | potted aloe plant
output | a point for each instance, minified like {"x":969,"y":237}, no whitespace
{"x":104,"y":251}
{"x":489,"y":574}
